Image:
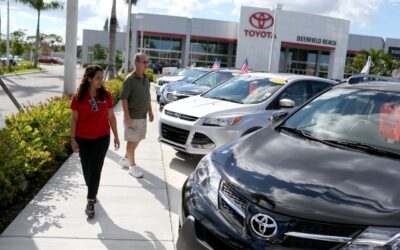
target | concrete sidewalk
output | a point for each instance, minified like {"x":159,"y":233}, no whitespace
{"x":130,"y":213}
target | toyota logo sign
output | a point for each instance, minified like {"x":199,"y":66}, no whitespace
{"x":261,"y":20}
{"x":264,"y":226}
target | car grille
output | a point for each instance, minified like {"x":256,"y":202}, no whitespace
{"x":234,"y":210}
{"x":174,"y":134}
{"x":235,"y":207}
{"x":201,"y":139}
{"x":181,"y":116}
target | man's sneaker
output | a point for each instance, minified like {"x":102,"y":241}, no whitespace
{"x":134,"y":171}
{"x":90,"y":209}
{"x":124,"y":163}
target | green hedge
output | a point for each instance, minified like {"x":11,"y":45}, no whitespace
{"x":11,"y":69}
{"x":34,"y":143}
{"x":150,"y":74}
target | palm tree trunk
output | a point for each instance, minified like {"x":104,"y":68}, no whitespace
{"x":130,"y":36}
{"x":111,"y":71}
{"x":36,"y":55}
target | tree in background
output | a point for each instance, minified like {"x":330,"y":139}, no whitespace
{"x":39,"y":6}
{"x":99,"y":53}
{"x":381,"y":63}
{"x":17,"y":42}
{"x":132,"y":2}
{"x":105,"y":27}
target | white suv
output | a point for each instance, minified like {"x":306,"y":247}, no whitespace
{"x":237,"y":107}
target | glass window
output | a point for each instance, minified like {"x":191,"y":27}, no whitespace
{"x":244,"y":89}
{"x":348,"y":115}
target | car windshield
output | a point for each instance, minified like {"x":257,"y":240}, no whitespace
{"x":246,"y":89}
{"x":177,"y":72}
{"x":214,"y":78}
{"x":193,"y":74}
{"x":352,"y":117}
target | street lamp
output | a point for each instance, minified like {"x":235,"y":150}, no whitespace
{"x":140,"y":18}
{"x":278,"y":6}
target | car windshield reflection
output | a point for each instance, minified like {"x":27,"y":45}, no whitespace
{"x":246,"y":89}
{"x":362,"y":119}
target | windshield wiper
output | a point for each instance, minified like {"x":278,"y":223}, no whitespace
{"x":298,"y":132}
{"x":365,"y":147}
{"x":225,"y":99}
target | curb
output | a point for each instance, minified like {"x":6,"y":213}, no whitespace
{"x":25,"y":73}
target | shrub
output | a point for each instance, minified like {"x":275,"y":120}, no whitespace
{"x":114,"y":86}
{"x":35,"y":142}
{"x":31,"y":144}
{"x":150,"y":74}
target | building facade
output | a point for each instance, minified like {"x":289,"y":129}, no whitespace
{"x":273,"y":40}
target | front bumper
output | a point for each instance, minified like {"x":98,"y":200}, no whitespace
{"x":205,"y":227}
{"x":192,"y":137}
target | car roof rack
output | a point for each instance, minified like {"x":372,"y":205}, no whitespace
{"x":367,"y":77}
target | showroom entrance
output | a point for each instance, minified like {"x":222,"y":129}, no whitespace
{"x":304,"y":61}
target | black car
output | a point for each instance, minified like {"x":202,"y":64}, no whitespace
{"x":326,"y":176}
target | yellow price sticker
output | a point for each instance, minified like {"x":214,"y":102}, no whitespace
{"x":279,"y":81}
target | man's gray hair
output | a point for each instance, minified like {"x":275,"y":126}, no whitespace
{"x":138,"y":55}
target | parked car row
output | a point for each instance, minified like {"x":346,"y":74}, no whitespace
{"x":232,"y":109}
{"x":292,"y":162}
{"x":323,"y":176}
{"x":182,"y":89}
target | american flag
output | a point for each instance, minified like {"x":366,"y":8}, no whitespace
{"x":245,"y":66}
{"x":216,"y":65}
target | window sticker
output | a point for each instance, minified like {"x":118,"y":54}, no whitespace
{"x":389,"y":124}
{"x":279,"y":81}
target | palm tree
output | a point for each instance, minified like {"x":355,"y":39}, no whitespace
{"x":381,"y":63}
{"x":130,"y":3}
{"x":39,"y":6}
{"x":111,"y":72}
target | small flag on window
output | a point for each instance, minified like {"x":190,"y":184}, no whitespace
{"x":245,"y":66}
{"x":192,"y":65}
{"x":216,"y":65}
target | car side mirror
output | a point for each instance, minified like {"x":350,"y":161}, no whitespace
{"x":286,"y":103}
{"x":279,"y":115}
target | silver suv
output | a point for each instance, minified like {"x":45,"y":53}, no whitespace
{"x":237,"y":107}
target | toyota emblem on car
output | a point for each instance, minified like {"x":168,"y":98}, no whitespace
{"x":264,"y":226}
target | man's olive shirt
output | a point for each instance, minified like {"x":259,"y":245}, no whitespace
{"x":137,"y":92}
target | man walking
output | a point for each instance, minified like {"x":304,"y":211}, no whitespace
{"x":136,"y":103}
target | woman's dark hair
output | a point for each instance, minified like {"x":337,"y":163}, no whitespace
{"x":90,"y":72}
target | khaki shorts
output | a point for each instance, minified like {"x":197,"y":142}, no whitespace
{"x":136,"y":131}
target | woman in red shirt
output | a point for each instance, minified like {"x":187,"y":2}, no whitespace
{"x":92,"y":116}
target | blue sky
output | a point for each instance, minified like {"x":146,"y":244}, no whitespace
{"x":367,"y":17}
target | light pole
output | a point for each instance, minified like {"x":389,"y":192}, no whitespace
{"x":8,"y":34}
{"x":140,"y":18}
{"x":278,"y":6}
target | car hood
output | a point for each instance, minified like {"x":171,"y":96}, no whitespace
{"x":311,"y":180}
{"x":171,"y":78}
{"x":199,"y":106}
{"x":189,"y":89}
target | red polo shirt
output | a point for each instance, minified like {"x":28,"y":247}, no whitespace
{"x":92,"y":124}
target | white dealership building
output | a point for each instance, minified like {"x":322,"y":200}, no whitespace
{"x":273,"y":40}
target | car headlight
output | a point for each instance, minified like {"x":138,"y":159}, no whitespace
{"x":222,"y":121}
{"x":208,"y":178}
{"x":374,"y":238}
